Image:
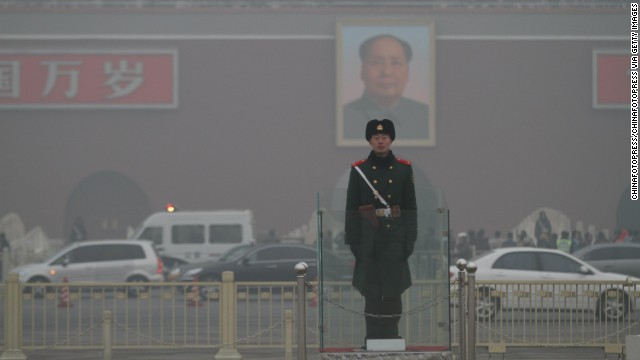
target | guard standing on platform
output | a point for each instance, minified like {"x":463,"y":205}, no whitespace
{"x":381,"y":229}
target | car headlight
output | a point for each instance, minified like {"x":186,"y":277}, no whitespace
{"x":193,"y":272}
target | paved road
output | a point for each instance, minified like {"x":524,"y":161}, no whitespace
{"x":269,"y":354}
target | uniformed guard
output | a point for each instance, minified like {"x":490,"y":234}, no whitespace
{"x":381,"y":229}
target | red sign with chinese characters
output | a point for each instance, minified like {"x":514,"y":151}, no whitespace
{"x":611,"y":79}
{"x":88,"y":79}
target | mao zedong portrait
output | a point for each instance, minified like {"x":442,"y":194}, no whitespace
{"x":385,"y":74}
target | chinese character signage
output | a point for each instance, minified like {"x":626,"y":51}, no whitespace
{"x":33,"y":79}
{"x":611,"y":79}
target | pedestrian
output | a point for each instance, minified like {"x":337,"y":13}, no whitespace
{"x":564,"y":243}
{"x":462,"y":249}
{"x":542,"y":225}
{"x":381,"y":229}
{"x":544,"y":241}
{"x":496,"y":241}
{"x":510,"y":242}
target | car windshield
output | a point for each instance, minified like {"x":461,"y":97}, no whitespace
{"x":58,"y":254}
{"x":235,"y":253}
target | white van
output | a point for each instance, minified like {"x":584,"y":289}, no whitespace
{"x":192,"y":236}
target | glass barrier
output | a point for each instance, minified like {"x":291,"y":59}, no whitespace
{"x":381,"y":272}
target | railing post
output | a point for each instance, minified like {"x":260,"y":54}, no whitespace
{"x":301,"y":271}
{"x":471,"y":306}
{"x":12,"y":320}
{"x":106,"y":333}
{"x":288,"y":334}
{"x":461,"y":264}
{"x":228,"y":319}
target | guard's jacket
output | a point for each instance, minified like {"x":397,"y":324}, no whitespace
{"x":381,"y":243}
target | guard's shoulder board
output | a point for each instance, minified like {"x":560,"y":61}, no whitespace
{"x":403,"y":161}
{"x":359,"y":162}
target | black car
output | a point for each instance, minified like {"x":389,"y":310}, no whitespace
{"x":267,"y":263}
{"x":273,"y":262}
{"x":232,"y":254}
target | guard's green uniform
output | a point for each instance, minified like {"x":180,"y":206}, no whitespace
{"x":381,"y":271}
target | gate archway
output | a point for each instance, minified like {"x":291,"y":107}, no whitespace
{"x":108,"y":203}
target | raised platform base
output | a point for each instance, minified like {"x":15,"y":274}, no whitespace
{"x":406,"y":355}
{"x":388,"y":345}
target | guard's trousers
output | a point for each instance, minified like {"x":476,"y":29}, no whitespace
{"x":382,"y":327}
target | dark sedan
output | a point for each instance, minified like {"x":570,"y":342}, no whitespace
{"x":229,"y":256}
{"x":268,"y":263}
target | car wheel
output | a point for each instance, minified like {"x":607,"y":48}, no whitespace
{"x":613,"y":305}
{"x":135,"y":290}
{"x":209,"y":292}
{"x":486,"y":305}
{"x":36,"y":291}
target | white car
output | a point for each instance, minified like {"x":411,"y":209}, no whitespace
{"x":96,"y":261}
{"x":546,"y":279}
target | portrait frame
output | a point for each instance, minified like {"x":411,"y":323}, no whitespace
{"x":418,"y":130}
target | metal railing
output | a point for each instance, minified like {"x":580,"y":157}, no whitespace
{"x":424,"y":322}
{"x":72,"y":316}
{"x":241,"y":315}
{"x":545,"y":314}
